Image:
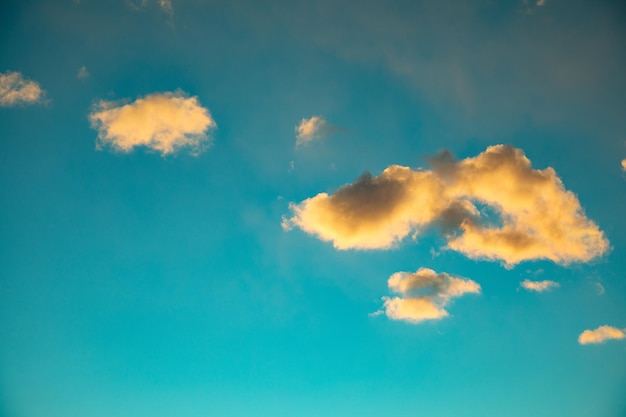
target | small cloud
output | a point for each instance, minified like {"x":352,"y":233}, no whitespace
{"x":532,"y":216}
{"x":292,"y":165}
{"x":16,"y":90}
{"x":539,"y":286}
{"x":599,"y":288}
{"x":541,"y":3}
{"x":164,"y":122}
{"x":424,"y":295}
{"x":312,"y":129}
{"x":165,"y":5}
{"x":623,"y":164}
{"x":82,"y":73}
{"x":600,"y":335}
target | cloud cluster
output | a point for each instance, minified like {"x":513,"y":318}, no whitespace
{"x":537,"y":218}
{"x":313,"y":129}
{"x":424,"y":294}
{"x":600,"y":335}
{"x":164,"y":122}
{"x":16,"y":90}
{"x":539,"y":286}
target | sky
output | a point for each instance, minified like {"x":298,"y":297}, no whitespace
{"x":305,"y":208}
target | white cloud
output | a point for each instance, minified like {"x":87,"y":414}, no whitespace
{"x":424,"y":294}
{"x":539,"y":286}
{"x":165,"y":122}
{"x":82,"y":72}
{"x":538,"y":217}
{"x":600,"y":335}
{"x":313,"y":129}
{"x":16,"y":90}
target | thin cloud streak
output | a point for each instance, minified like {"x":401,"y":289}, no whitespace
{"x":424,"y":295}
{"x":17,"y":90}
{"x":164,"y":122}
{"x":538,"y":217}
{"x":539,"y":286}
{"x":601,"y":335}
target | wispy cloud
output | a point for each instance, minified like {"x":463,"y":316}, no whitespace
{"x":424,"y":294}
{"x":165,"y":5}
{"x":600,"y":335}
{"x":16,"y":90}
{"x":538,"y":217}
{"x":539,"y":286}
{"x":314,"y":128}
{"x":82,"y":72}
{"x":165,"y":122}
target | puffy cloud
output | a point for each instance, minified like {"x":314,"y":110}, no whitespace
{"x":16,"y":90}
{"x":424,"y":294}
{"x":164,"y":122}
{"x":313,"y":129}
{"x":539,"y":286}
{"x":623,"y":164}
{"x":600,"y":335}
{"x":537,"y":217}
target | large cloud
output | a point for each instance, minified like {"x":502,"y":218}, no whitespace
{"x":537,"y":217}
{"x":164,"y":122}
{"x":312,"y":129}
{"x":424,"y":294}
{"x":16,"y":90}
{"x":539,"y":286}
{"x":600,"y":335}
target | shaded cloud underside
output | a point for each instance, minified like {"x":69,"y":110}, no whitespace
{"x":424,"y":294}
{"x":539,"y":218}
{"x":600,"y":335}
{"x":16,"y":90}
{"x":164,"y":122}
{"x":539,"y":286}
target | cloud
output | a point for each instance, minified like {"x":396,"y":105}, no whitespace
{"x":600,"y":335}
{"x":313,"y":129}
{"x":539,"y":286}
{"x":82,"y":72}
{"x":164,"y":122}
{"x":16,"y":90}
{"x":623,"y":164}
{"x":165,"y":5}
{"x":537,"y":218}
{"x":424,"y":295}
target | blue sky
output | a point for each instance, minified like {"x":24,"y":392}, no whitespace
{"x":243,"y":208}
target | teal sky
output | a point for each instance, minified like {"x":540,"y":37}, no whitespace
{"x":165,"y":249}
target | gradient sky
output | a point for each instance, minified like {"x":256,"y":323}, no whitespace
{"x":244,"y":208}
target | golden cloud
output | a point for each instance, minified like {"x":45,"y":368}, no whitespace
{"x":164,"y":122}
{"x":16,"y":90}
{"x":538,"y":217}
{"x":600,"y":335}
{"x":312,"y":129}
{"x":539,"y":286}
{"x":424,"y":294}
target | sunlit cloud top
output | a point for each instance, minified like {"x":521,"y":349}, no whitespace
{"x":15,"y":90}
{"x":600,"y":335}
{"x":164,"y":122}
{"x":538,"y":217}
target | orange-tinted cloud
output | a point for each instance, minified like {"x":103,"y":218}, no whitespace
{"x":165,"y":122}
{"x":16,"y":90}
{"x":312,"y":129}
{"x":600,"y":335}
{"x":424,"y":294}
{"x":539,"y":286}
{"x":538,"y":217}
